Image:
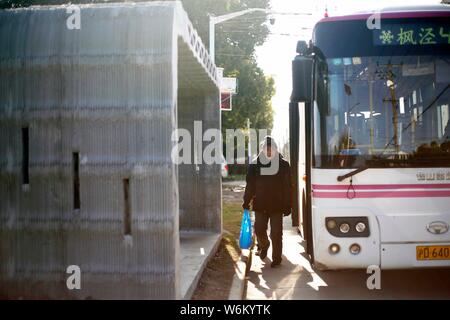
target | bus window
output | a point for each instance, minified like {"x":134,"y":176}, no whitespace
{"x":381,"y":111}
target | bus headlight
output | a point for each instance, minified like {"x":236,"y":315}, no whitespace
{"x":360,"y":227}
{"x":348,"y":227}
{"x":331,"y":224}
{"x":334,"y":248}
{"x":355,"y":248}
{"x":344,"y":227}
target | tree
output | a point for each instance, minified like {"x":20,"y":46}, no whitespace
{"x":236,"y":40}
{"x":254,"y":99}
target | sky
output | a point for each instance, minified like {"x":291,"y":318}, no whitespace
{"x":275,"y":56}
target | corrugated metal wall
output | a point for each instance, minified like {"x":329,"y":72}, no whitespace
{"x":105,"y":97}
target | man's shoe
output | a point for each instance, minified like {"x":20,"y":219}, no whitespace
{"x":263,"y":254}
{"x":276,"y":264}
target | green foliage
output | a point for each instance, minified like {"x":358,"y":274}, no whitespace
{"x":232,"y":216}
{"x":253,"y":100}
{"x":236,"y":40}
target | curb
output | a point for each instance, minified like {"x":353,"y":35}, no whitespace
{"x":240,"y":273}
{"x":241,"y":269}
{"x":190,"y":291}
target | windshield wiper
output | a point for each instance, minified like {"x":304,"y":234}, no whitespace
{"x":365,"y":167}
{"x":352,"y":173}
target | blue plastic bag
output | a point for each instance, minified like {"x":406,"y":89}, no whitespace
{"x":245,"y":239}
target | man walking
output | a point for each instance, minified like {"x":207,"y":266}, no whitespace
{"x":269,"y":189}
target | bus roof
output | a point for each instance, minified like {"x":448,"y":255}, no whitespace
{"x":422,"y":11}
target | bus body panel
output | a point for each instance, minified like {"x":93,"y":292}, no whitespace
{"x":370,"y":246}
{"x":399,"y":210}
{"x":411,"y":225}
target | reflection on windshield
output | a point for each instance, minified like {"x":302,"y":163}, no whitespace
{"x":382,"y":111}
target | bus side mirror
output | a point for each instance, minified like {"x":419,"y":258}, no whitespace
{"x":302,"y":79}
{"x":302,"y":48}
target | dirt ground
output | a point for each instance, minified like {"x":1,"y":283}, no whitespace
{"x":216,"y":279}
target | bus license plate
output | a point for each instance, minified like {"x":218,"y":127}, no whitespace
{"x":433,"y":252}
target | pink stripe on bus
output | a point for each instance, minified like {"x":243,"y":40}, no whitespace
{"x":382,"y":194}
{"x":382,"y":186}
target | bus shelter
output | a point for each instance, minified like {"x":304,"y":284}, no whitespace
{"x":87,"y":181}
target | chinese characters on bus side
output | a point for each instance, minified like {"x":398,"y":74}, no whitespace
{"x":439,"y":176}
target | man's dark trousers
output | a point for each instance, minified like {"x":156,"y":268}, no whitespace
{"x":276,"y":232}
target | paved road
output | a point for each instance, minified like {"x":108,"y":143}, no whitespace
{"x":296,"y":279}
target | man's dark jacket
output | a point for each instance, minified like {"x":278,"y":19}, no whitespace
{"x":270,"y":193}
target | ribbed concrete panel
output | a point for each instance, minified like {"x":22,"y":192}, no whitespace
{"x":200,"y":190}
{"x":105,"y":96}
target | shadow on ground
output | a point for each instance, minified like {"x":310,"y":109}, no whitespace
{"x":297,"y":279}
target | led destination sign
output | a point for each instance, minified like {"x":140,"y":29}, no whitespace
{"x":424,"y":34}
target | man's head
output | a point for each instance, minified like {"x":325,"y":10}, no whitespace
{"x":269,"y":147}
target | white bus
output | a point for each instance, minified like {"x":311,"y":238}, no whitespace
{"x":370,"y":139}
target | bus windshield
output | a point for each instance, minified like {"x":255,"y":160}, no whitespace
{"x":382,"y":111}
